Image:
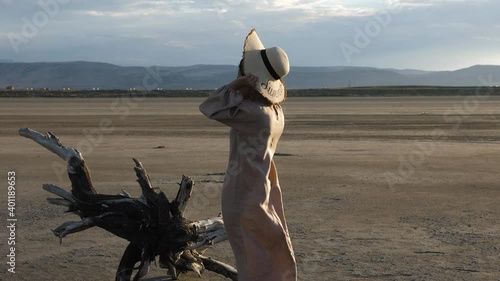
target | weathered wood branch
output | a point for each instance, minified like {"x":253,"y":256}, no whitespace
{"x":52,"y":143}
{"x":184,"y":194}
{"x":208,"y":225}
{"x":153,"y":225}
{"x":145,"y":183}
{"x":59,"y":191}
{"x":72,"y":227}
{"x":77,"y":170}
{"x":209,"y":239}
{"x":219,"y":267}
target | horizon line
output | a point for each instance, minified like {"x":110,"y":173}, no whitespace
{"x":206,"y":64}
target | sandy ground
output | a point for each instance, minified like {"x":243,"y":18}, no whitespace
{"x":374,"y":188}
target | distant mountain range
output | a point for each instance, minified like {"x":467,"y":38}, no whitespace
{"x":88,"y":75}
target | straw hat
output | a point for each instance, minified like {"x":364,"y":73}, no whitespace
{"x":269,"y":64}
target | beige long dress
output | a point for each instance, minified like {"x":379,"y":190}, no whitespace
{"x":252,"y":204}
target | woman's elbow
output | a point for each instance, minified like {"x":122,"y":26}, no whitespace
{"x":205,"y":111}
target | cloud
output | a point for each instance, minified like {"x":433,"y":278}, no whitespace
{"x":309,"y":11}
{"x":433,"y":35}
{"x":179,"y":44}
{"x":128,"y":14}
{"x":186,"y":32}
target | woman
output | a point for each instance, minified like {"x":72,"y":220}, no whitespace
{"x":252,"y":205}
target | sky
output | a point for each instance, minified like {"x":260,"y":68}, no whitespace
{"x":404,"y":34}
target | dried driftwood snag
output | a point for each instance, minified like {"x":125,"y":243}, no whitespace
{"x":152,"y":224}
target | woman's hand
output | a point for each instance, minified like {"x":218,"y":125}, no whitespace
{"x":248,"y":80}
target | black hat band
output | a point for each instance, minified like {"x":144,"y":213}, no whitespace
{"x":268,"y":65}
